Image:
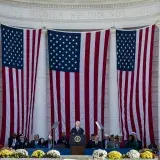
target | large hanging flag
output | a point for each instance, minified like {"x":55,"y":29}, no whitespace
{"x":134,"y":65}
{"x":77,"y":63}
{"x":20,"y":52}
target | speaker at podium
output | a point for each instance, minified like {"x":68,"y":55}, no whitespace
{"x":77,"y":143}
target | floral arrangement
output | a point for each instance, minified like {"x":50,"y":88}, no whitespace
{"x":6,"y":153}
{"x":53,"y":154}
{"x":99,"y":154}
{"x":114,"y":155}
{"x":133,"y":154}
{"x":38,"y":154}
{"x":22,"y":151}
{"x":147,"y":155}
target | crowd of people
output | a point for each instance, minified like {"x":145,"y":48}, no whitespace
{"x":109,"y":141}
{"x":20,"y":141}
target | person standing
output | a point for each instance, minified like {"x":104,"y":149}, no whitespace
{"x":77,"y":129}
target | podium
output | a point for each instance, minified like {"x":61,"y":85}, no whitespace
{"x":77,"y":143}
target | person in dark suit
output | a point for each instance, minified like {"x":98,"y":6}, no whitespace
{"x":12,"y":141}
{"x":77,"y":129}
{"x":91,"y":141}
{"x":64,"y":140}
{"x":34,"y":143}
{"x":138,"y":141}
{"x":22,"y":142}
{"x":96,"y":143}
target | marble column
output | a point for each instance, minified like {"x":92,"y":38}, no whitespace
{"x":40,"y":108}
{"x":114,"y":125}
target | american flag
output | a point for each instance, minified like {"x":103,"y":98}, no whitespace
{"x":77,"y":63}
{"x":20,"y":52}
{"x":134,"y":65}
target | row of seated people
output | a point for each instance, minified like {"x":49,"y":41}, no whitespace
{"x":111,"y":141}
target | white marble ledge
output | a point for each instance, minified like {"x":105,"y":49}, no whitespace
{"x":78,"y":157}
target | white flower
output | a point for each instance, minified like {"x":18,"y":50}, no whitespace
{"x":133,"y":154}
{"x":22,"y":151}
{"x":100,"y":154}
{"x":53,"y":153}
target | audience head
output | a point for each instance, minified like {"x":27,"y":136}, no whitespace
{"x":92,"y":137}
{"x":41,"y":141}
{"x":14,"y":135}
{"x":78,"y":124}
{"x":21,"y":137}
{"x":96,"y":138}
{"x":63,"y":134}
{"x":131,"y":138}
{"x":106,"y":136}
{"x":36,"y":137}
{"x":116,"y":138}
{"x":134,"y":134}
{"x":111,"y":137}
{"x":64,"y":137}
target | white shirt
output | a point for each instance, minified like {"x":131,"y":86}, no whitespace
{"x":14,"y":142}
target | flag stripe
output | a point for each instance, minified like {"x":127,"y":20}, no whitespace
{"x":59,"y":100}
{"x":150,"y":119}
{"x":67,"y":101}
{"x":4,"y":106}
{"x":106,"y":42}
{"x":77,"y":97}
{"x":96,"y":60}
{"x":86,"y":82}
{"x":18,"y":104}
{"x":11,"y":91}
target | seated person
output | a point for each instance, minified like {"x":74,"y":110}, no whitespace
{"x":12,"y":141}
{"x":121,"y":142}
{"x":136,"y":139}
{"x":91,"y":141}
{"x":111,"y":142}
{"x":21,"y":142}
{"x":153,"y":147}
{"x":132,"y":143}
{"x":34,"y":143}
{"x":41,"y":143}
{"x":64,"y":140}
{"x":49,"y":142}
{"x":77,"y":129}
{"x":96,"y":143}
{"x":105,"y":140}
{"x":116,"y":141}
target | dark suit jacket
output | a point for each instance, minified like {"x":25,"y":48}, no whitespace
{"x":90,"y":144}
{"x":74,"y":131}
{"x":65,"y":142}
{"x":139,"y":144}
{"x":33,"y":145}
{"x":10,"y":141}
{"x":21,"y":145}
{"x":98,"y":145}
